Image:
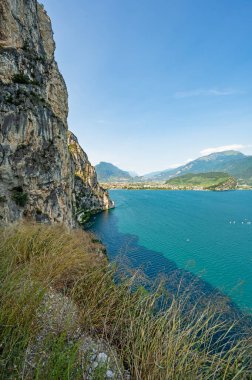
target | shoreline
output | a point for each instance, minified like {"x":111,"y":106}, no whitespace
{"x":175,"y":189}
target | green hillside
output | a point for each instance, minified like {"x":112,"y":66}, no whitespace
{"x":211,"y":181}
{"x":241,"y":169}
{"x":231,"y":162}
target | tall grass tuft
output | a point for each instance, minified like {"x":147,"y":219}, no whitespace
{"x":156,"y":335}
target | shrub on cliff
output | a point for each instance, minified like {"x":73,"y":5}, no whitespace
{"x":152,"y":341}
{"x":20,"y":197}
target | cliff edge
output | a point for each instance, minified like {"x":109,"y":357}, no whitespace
{"x":44,"y":173}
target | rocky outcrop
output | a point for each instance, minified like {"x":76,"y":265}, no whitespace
{"x":58,"y":316}
{"x":89,"y":196}
{"x":39,"y":177}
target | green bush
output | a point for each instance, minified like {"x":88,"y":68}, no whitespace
{"x":20,"y":197}
{"x":21,"y":78}
{"x":24,"y":79}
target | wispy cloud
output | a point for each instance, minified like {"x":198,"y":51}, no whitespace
{"x":217,"y":149}
{"x":206,"y":92}
{"x":100,"y":121}
{"x":174,"y":166}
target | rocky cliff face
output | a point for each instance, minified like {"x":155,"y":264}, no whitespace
{"x":89,"y":196}
{"x":39,"y":176}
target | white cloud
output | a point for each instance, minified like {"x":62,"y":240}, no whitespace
{"x":208,"y":92}
{"x":207,"y":151}
{"x":174,"y":166}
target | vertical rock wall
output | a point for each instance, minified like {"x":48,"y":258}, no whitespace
{"x":89,"y":196}
{"x":39,"y":178}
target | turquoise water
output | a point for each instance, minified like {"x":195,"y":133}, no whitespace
{"x":208,"y":234}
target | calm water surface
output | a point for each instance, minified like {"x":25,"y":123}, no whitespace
{"x":207,"y":233}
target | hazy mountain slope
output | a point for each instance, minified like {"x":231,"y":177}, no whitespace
{"x":241,"y":169}
{"x":232,"y":162}
{"x":107,"y":172}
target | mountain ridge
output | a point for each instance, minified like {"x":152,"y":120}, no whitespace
{"x":107,"y":172}
{"x":232,"y":162}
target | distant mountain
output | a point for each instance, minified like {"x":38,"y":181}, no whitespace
{"x":232,"y":162}
{"x":210,"y":181}
{"x":241,"y":169}
{"x":133,"y":174}
{"x":107,"y":172}
{"x":161,"y":175}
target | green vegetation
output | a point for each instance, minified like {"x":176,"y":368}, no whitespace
{"x":20,"y":197}
{"x":164,"y":343}
{"x":36,"y":97}
{"x":83,"y":216}
{"x":209,"y":181}
{"x":72,"y":148}
{"x":9,"y":99}
{"x":22,"y":78}
{"x":21,"y":96}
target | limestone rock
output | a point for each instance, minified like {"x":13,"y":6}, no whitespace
{"x":89,"y":196}
{"x":37,"y":171}
{"x":58,"y":316}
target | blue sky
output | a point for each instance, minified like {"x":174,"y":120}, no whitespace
{"x":155,"y":83}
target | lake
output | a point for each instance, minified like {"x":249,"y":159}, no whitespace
{"x":200,"y":233}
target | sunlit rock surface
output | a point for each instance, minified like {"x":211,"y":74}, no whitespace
{"x":39,"y":177}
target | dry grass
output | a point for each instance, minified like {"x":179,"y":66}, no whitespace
{"x":156,"y":336}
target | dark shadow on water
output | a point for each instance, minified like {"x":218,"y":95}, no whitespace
{"x":153,"y":264}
